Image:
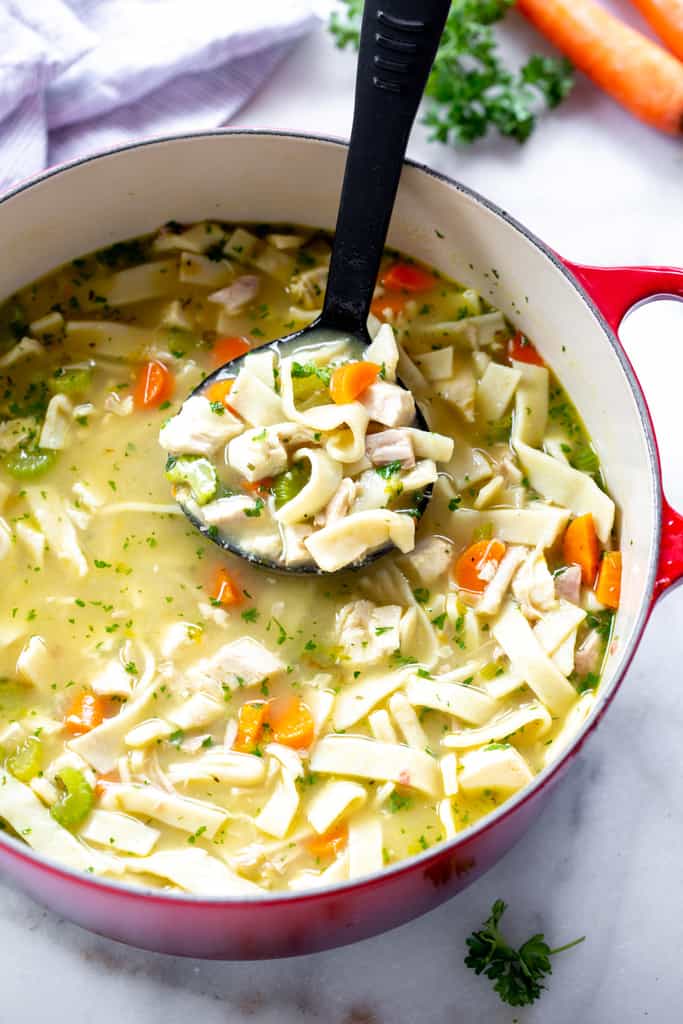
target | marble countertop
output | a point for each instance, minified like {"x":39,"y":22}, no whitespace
{"x":604,"y":859}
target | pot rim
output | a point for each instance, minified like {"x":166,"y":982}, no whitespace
{"x":448,"y":847}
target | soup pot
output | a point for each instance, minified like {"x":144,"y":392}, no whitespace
{"x":572,"y":312}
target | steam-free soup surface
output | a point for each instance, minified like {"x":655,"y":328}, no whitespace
{"x":172,"y":716}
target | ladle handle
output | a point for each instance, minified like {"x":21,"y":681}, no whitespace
{"x":398,"y":43}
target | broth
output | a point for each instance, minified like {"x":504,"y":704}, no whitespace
{"x":173,"y":716}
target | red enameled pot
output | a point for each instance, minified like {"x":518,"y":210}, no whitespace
{"x":571,"y":311}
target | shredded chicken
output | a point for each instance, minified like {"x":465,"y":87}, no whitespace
{"x":534,"y":586}
{"x":308,"y":287}
{"x":430,"y":559}
{"x":366,"y":632}
{"x":492,"y":598}
{"x":568,"y":584}
{"x":589,"y":654}
{"x":237,"y":295}
{"x":339,"y":504}
{"x":389,"y":404}
{"x":390,"y":446}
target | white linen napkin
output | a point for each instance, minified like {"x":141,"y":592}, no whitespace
{"x":78,"y":76}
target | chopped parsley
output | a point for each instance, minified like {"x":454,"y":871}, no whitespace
{"x":256,"y":510}
{"x":391,"y":469}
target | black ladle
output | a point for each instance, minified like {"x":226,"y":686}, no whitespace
{"x":398,"y":43}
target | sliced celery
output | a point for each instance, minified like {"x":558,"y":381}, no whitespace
{"x":288,"y":484}
{"x":75,"y":803}
{"x":198,"y":473}
{"x":25,"y":464}
{"x":27,"y":759}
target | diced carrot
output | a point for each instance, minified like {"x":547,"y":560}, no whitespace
{"x":581,"y":547}
{"x":104,"y":780}
{"x":476,"y":565}
{"x":407,"y":277}
{"x":329,"y":844}
{"x":290,"y":721}
{"x":225,"y":591}
{"x":351,"y":380}
{"x":86,"y":711}
{"x":261,"y":486}
{"x":153,"y":386}
{"x":388,"y":303}
{"x":250,"y":721}
{"x":633,"y":69}
{"x":521,"y":350}
{"x":608,"y":589}
{"x":226,"y":349}
{"x":219,"y":391}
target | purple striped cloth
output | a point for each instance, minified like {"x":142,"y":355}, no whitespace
{"x":77,"y":76}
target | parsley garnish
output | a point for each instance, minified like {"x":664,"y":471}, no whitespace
{"x":402,"y":659}
{"x":256,"y":510}
{"x":389,"y":470}
{"x":311,"y":370}
{"x":470,"y":88}
{"x":282,"y":632}
{"x":399,"y":802}
{"x":200,"y":832}
{"x":587,"y":682}
{"x":516,"y":974}
{"x":602,"y":622}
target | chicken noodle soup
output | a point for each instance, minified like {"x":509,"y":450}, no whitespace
{"x":175,"y":717}
{"x":306,"y":459}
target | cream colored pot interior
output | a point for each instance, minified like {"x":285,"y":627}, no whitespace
{"x":255,"y":177}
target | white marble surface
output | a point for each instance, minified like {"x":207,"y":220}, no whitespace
{"x":605,"y":858}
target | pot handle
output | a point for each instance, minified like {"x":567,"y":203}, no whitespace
{"x":615,"y":290}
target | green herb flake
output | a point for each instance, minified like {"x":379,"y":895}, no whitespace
{"x":256,"y":510}
{"x":391,"y":469}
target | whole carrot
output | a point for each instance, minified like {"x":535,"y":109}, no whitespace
{"x":666,"y":18}
{"x":636,"y":72}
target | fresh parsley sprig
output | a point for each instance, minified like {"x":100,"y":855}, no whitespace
{"x":517,"y":974}
{"x":470,"y":89}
